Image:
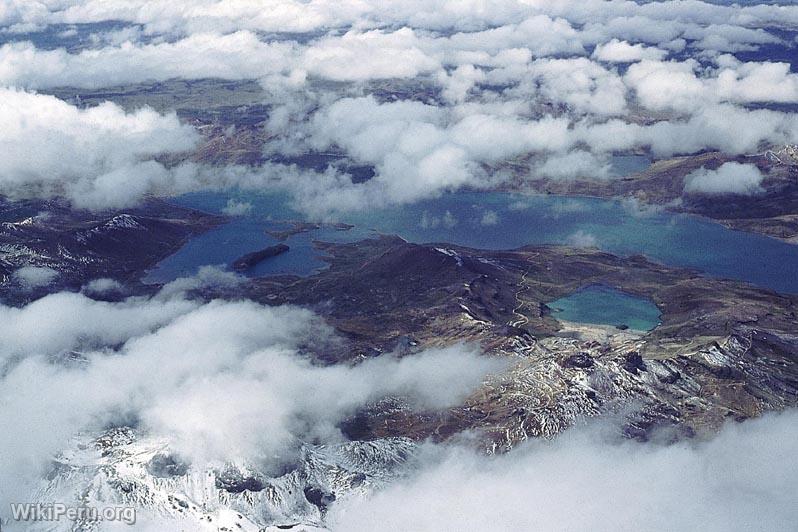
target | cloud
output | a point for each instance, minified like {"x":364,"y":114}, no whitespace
{"x":374,"y":54}
{"x":581,"y":84}
{"x":575,"y":164}
{"x":722,"y":127}
{"x":218,"y":380}
{"x":582,"y":239}
{"x":418,"y":150}
{"x":103,"y":286}
{"x":729,"y":178}
{"x":239,"y":55}
{"x":237,"y":208}
{"x":674,"y":85}
{"x":489,"y":218}
{"x":29,"y":277}
{"x":97,"y":157}
{"x":65,"y":321}
{"x":434,"y":96}
{"x":742,"y":479}
{"x":616,"y":51}
{"x":305,"y":16}
{"x":460,"y":82}
{"x":447,"y":220}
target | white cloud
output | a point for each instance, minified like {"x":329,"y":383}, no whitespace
{"x":418,"y":150}
{"x":447,"y":220}
{"x":503,"y":80}
{"x":66,"y":321}
{"x":729,"y":178}
{"x":298,"y":16}
{"x":460,"y":81}
{"x":103,"y":286}
{"x":237,"y":208}
{"x":98,"y":157}
{"x":374,"y":54}
{"x":743,"y":479}
{"x":726,"y":128}
{"x":583,"y":85}
{"x":667,"y":85}
{"x":616,"y":51}
{"x":489,"y":218}
{"x":575,"y":164}
{"x":674,"y":85}
{"x":581,"y":239}
{"x":239,"y":55}
{"x":219,"y":380}
{"x":30,"y":277}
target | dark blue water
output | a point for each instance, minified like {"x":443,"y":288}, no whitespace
{"x":495,"y":220}
{"x":606,"y":306}
{"x":243,"y":234}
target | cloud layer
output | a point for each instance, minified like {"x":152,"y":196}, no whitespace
{"x":434,"y":96}
{"x":100,"y":156}
{"x":219,"y":380}
{"x":743,"y":479}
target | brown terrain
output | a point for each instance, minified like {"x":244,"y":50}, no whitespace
{"x":724,"y":349}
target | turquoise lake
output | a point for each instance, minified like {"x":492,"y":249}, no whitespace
{"x":493,"y":220}
{"x":606,"y":306}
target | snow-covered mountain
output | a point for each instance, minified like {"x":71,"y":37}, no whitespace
{"x":123,"y":468}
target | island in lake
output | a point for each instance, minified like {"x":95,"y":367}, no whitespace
{"x":250,"y":260}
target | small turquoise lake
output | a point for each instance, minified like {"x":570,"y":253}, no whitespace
{"x":606,"y":306}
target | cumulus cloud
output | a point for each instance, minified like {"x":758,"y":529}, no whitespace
{"x":582,"y":239}
{"x":100,"y":156}
{"x":432,"y":221}
{"x":674,"y":85}
{"x":743,"y":479}
{"x":237,"y":208}
{"x":434,"y":95}
{"x":219,"y":380}
{"x":418,"y":150}
{"x":239,"y":55}
{"x":302,"y":16}
{"x":616,"y":51}
{"x":29,"y":277}
{"x":103,"y":286}
{"x":721,"y":127}
{"x":489,"y":218}
{"x":374,"y":54}
{"x":583,"y":85}
{"x":729,"y":178}
{"x":482,"y":84}
{"x":575,"y":164}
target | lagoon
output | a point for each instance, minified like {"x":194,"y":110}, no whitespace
{"x":606,"y":306}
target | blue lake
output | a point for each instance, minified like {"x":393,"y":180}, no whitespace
{"x":494,"y":220}
{"x":606,"y":306}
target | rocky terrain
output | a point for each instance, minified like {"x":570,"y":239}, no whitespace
{"x":314,"y":352}
{"x":78,"y":246}
{"x":724,"y":351}
{"x":121,"y":467}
